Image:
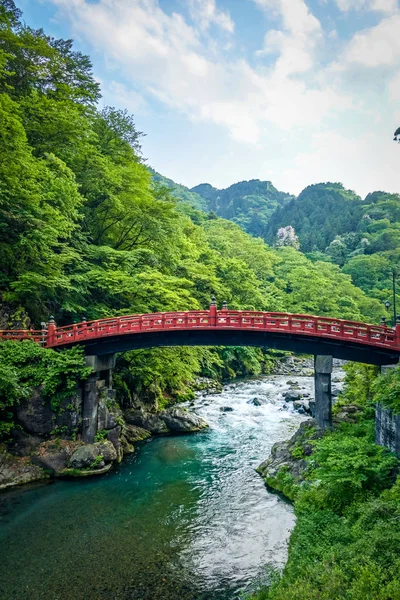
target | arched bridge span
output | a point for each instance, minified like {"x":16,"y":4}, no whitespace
{"x":350,"y":340}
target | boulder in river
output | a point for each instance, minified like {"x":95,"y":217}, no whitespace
{"x":302,"y":407}
{"x":292,"y":395}
{"x":93,"y":456}
{"x":15,"y":470}
{"x":171,"y":420}
{"x":256,"y":402}
{"x":182,"y":421}
{"x":226,"y":409}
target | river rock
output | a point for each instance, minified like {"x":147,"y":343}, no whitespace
{"x":348,"y":414}
{"x":107,"y":418}
{"x":302,"y":407}
{"x":114,"y":436}
{"x":23,"y":444}
{"x":226,"y":409}
{"x":336,"y":390}
{"x":182,"y":421}
{"x":292,"y":395}
{"x":256,"y":402}
{"x":289,"y":456}
{"x":171,"y":420}
{"x":84,"y":456}
{"x":87,"y":456}
{"x":152,"y":422}
{"x":134,"y":434}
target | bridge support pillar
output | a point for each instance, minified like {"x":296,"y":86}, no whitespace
{"x":323,"y":390}
{"x":101,"y":376}
{"x":90,"y":408}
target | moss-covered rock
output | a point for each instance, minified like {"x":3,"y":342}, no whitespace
{"x":284,"y":470}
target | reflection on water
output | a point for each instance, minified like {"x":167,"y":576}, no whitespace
{"x":185,"y":518}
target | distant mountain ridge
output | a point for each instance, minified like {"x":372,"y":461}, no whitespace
{"x":250,"y":204}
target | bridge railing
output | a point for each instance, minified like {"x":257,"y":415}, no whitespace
{"x":298,"y":324}
{"x":36,"y":335}
{"x":310,"y":325}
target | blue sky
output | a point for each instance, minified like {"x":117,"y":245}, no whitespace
{"x":291,"y":91}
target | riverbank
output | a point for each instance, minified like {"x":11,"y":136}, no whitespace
{"x":346,"y":496}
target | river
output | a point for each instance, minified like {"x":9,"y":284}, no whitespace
{"x":184,"y":518}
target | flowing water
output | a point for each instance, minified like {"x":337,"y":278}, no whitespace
{"x":185,"y":518}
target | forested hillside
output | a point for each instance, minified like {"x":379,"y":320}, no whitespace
{"x":84,"y":231}
{"x":320,"y":213}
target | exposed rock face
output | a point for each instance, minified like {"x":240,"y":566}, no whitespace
{"x":17,"y":471}
{"x":23,"y":444}
{"x":53,"y":456}
{"x":152,"y":422}
{"x":173,"y":420}
{"x":285,"y":467}
{"x":47,"y":441}
{"x":114,"y":436}
{"x":13,"y":317}
{"x":36,"y":416}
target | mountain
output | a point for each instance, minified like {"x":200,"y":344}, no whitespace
{"x":319,"y":214}
{"x":250,"y":204}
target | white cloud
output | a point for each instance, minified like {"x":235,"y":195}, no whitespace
{"x":384,"y":6}
{"x":205,"y":13}
{"x":377,"y":46}
{"x":297,"y":44}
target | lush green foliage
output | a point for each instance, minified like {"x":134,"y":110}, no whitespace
{"x":346,"y":543}
{"x":387,"y":389}
{"x":181,"y":192}
{"x":27,"y":365}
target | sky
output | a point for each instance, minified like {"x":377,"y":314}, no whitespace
{"x":290,"y":91}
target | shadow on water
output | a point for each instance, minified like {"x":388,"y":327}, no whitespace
{"x":184,"y":518}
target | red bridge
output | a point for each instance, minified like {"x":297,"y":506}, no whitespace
{"x":373,"y":344}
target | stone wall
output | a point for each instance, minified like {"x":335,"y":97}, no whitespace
{"x":387,"y":429}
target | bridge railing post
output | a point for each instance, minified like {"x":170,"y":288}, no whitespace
{"x":213,"y":311}
{"x":51,"y":332}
